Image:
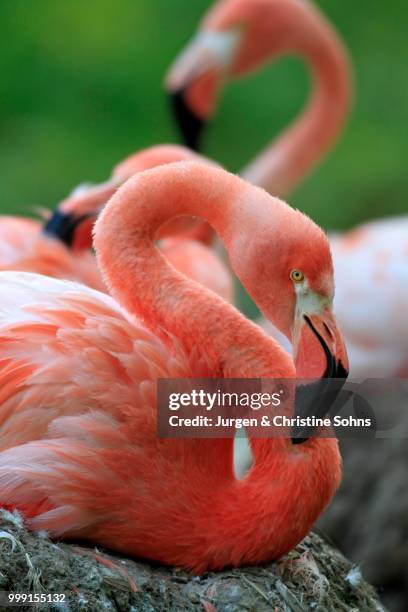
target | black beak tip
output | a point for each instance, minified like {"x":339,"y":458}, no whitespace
{"x":341,"y":371}
{"x":191,"y":126}
{"x":62,"y":226}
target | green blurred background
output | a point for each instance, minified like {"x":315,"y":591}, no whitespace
{"x":81,"y":89}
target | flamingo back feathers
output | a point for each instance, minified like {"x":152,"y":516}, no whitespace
{"x":78,"y":386}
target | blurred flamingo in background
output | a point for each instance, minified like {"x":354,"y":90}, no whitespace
{"x":238,"y":36}
{"x":371,"y":270}
{"x":77,"y":417}
{"x":183,"y":241}
{"x":62,"y":250}
{"x":24,"y":246}
{"x":73,"y":219}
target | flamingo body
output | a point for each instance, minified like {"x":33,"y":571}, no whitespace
{"x":79,"y":454}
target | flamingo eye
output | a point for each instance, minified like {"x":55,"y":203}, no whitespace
{"x":297,"y":276}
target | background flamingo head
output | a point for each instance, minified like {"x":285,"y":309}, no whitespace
{"x":73,"y":219}
{"x":235,"y":36}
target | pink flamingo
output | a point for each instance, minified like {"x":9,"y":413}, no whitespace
{"x":25,"y":247}
{"x":237,"y":36}
{"x":79,"y":369}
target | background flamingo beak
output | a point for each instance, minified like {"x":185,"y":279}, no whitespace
{"x":63,"y":226}
{"x":191,"y":126}
{"x":72,"y":221}
{"x":194,"y":79}
{"x":187,"y":84}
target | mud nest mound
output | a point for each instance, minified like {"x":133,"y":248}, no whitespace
{"x":314,"y":576}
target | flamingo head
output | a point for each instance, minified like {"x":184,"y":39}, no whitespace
{"x":286,"y":266}
{"x":235,"y":37}
{"x":73,"y":219}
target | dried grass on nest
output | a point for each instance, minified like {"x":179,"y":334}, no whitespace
{"x":314,"y":576}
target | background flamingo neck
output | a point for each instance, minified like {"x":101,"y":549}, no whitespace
{"x":294,"y":153}
{"x":142,"y":281}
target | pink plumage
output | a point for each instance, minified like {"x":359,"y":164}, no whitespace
{"x":79,"y":453}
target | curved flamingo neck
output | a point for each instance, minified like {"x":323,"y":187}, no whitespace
{"x":281,"y":166}
{"x":146,"y":285}
{"x":158,"y":155}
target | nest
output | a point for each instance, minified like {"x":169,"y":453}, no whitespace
{"x":314,"y":576}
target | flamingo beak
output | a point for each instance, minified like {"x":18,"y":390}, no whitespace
{"x":320,"y":354}
{"x":194,"y":79}
{"x":63,"y":226}
{"x":319,"y":347}
{"x":190,"y":125}
{"x":72,"y":221}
